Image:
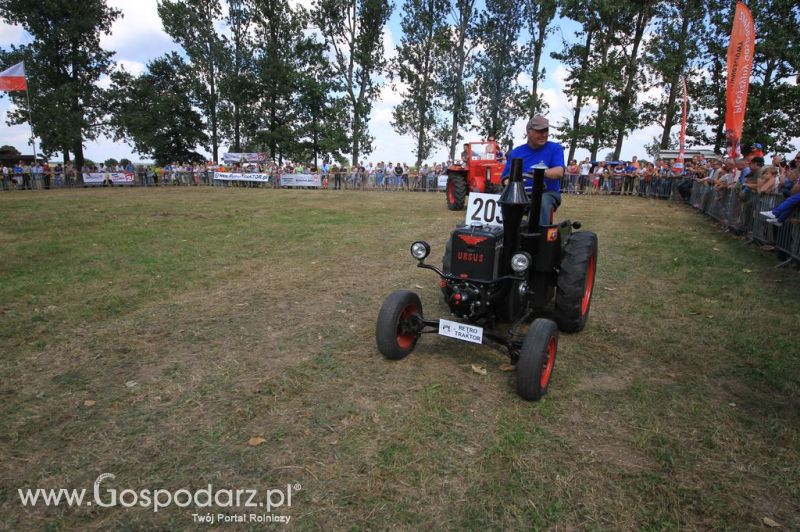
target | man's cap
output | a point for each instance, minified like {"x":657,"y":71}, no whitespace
{"x":538,"y":122}
{"x":757,"y":146}
{"x":758,"y":160}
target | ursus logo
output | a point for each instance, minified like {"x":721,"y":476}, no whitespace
{"x":472,"y":240}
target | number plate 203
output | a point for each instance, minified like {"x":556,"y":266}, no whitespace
{"x":484,"y":209}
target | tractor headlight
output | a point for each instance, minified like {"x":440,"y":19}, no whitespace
{"x":520,"y":262}
{"x":420,"y":249}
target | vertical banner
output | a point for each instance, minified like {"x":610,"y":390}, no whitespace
{"x":740,"y":63}
{"x":679,"y":162}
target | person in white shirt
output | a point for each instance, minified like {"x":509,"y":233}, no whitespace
{"x":585,"y":170}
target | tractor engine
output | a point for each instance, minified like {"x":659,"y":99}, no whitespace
{"x":476,"y":253}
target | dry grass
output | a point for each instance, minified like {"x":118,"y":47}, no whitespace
{"x":197,"y":319}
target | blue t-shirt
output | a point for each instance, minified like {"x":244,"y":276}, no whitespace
{"x":551,"y":154}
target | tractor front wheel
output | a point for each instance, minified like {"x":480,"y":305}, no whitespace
{"x":537,"y":359}
{"x":397,"y":329}
{"x":456,"y":191}
{"x":576,"y":281}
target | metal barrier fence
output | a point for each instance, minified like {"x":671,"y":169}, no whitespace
{"x":740,"y":213}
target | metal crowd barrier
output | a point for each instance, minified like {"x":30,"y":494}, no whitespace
{"x":741,"y":214}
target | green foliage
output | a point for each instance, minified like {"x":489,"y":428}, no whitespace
{"x":353,"y":30}
{"x":155,"y":111}
{"x":419,"y":67}
{"x":9,"y":150}
{"x":63,"y":63}
{"x":497,"y":67}
{"x":538,"y":17}
{"x":111,"y":162}
{"x":190,"y":23}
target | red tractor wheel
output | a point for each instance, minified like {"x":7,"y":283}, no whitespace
{"x":537,"y":359}
{"x":576,"y":281}
{"x":397,"y":329}
{"x":456,"y":191}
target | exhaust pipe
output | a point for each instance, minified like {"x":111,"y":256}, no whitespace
{"x":536,"y":197}
{"x":512,"y":204}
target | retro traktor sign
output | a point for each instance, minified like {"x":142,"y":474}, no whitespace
{"x":242,"y":505}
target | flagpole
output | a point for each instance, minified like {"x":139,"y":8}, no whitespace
{"x":30,"y":116}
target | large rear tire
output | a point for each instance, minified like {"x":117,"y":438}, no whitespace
{"x":576,"y":282}
{"x":537,"y":359}
{"x":395,"y":331}
{"x":456,"y":191}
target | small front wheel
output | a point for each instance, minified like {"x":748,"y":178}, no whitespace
{"x":399,"y":323}
{"x":537,"y":359}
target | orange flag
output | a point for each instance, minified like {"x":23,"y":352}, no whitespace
{"x":740,"y":63}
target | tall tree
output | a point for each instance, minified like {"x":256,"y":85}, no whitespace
{"x":237,"y":85}
{"x":538,"y":17}
{"x":641,"y":13}
{"x":774,"y":92}
{"x":714,"y":46}
{"x":156,"y":111}
{"x":191,"y":24}
{"x":497,"y":67}
{"x":353,"y":30}
{"x":63,"y":62}
{"x":455,"y":75}
{"x":670,"y":55}
{"x":576,"y":57}
{"x":418,"y":66}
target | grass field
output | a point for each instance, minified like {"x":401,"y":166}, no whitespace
{"x":156,"y":334}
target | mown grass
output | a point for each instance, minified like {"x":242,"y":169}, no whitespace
{"x":152,"y":333}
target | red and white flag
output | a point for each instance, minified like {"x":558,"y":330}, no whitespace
{"x":13,"y":79}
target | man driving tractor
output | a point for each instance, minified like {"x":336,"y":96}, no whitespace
{"x":540,"y":150}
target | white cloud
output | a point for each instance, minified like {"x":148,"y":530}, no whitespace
{"x":138,"y":34}
{"x":389,"y":49}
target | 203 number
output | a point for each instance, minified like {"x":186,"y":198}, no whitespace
{"x":487,"y":211}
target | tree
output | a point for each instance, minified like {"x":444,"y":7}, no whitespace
{"x":641,"y":12}
{"x":9,"y":150}
{"x":63,"y":63}
{"x":669,"y":56}
{"x":418,"y":65}
{"x":774,"y":93}
{"x":156,"y":111}
{"x":111,"y":162}
{"x":190,"y":23}
{"x":538,"y":17}
{"x":353,"y":29}
{"x":455,"y":75}
{"x":576,"y":57}
{"x":497,"y":68}
{"x":238,"y":88}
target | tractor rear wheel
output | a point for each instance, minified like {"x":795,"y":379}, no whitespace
{"x":576,"y":281}
{"x":397,"y":331}
{"x":456,"y":191}
{"x":537,"y":359}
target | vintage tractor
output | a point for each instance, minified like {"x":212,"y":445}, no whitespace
{"x":479,"y":172}
{"x":498,"y":277}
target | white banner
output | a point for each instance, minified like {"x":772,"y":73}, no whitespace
{"x":300,"y":180}
{"x":117,"y":178}
{"x":235,"y":176}
{"x":245,"y":158}
{"x":441,"y":181}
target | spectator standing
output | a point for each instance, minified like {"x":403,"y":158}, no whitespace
{"x":573,"y":171}
{"x":46,"y":175}
{"x":6,"y":178}
{"x":26,"y":176}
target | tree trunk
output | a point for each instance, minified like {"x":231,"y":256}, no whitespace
{"x":576,"y":116}
{"x":537,"y":56}
{"x":669,"y":116}
{"x":627,"y":105}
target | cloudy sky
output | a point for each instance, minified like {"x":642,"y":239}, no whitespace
{"x":138,"y":37}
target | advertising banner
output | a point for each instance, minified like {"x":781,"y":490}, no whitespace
{"x":236,"y":176}
{"x":740,"y":63}
{"x":245,"y":158}
{"x":300,"y":180}
{"x":116,"y":178}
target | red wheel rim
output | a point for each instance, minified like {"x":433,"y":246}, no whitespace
{"x":405,"y":338}
{"x":587,"y":292}
{"x":547,"y":367}
{"x":451,"y":196}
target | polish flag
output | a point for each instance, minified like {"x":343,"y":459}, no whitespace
{"x":13,"y":79}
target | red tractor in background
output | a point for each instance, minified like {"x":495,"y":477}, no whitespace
{"x":479,"y":171}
